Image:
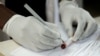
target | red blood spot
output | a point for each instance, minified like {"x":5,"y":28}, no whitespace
{"x":63,"y":46}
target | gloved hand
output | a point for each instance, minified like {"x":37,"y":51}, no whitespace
{"x":72,"y":15}
{"x":32,"y":34}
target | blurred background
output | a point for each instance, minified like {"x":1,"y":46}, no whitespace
{"x":93,"y":6}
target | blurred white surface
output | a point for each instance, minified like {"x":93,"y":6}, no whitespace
{"x":87,"y":47}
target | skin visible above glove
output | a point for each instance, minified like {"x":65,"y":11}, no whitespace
{"x":5,"y":14}
{"x":71,"y":15}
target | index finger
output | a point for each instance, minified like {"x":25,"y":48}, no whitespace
{"x":79,"y":29}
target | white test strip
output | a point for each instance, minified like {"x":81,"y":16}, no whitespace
{"x":34,"y":13}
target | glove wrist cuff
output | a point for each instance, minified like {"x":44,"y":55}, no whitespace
{"x":9,"y":22}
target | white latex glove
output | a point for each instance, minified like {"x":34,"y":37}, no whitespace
{"x":32,"y":34}
{"x":71,"y":14}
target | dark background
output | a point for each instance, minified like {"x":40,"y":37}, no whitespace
{"x":18,"y":6}
{"x":93,"y":6}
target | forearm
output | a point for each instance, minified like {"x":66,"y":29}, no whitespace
{"x":5,"y":15}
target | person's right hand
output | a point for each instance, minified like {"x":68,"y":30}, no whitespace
{"x":32,"y":34}
{"x":78,"y":23}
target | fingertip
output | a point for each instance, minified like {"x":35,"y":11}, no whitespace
{"x":74,"y":38}
{"x":70,"y":33}
{"x":59,"y":42}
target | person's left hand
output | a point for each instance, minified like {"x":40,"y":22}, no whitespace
{"x":71,"y":16}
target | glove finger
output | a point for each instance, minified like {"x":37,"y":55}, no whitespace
{"x":91,"y":28}
{"x":79,"y":29}
{"x":30,"y":44}
{"x":52,"y":26}
{"x":69,"y":28}
{"x":70,"y":31}
{"x":51,"y":33}
{"x":38,"y":44}
{"x":66,"y":19}
{"x":47,"y":43}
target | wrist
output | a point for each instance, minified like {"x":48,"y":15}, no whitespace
{"x":14,"y":25}
{"x":5,"y":15}
{"x":10,"y":22}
